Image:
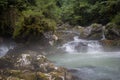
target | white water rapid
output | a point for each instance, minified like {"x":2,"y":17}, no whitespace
{"x":81,"y":45}
{"x":88,"y":61}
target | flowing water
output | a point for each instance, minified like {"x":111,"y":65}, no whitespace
{"x":88,"y":61}
{"x":5,"y":47}
{"x":84,"y":58}
{"x":103,"y":33}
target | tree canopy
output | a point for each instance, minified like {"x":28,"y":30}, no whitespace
{"x":14,"y":13}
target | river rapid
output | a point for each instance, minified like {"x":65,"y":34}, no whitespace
{"x":87,"y":60}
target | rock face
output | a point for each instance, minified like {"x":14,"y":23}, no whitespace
{"x":31,"y":66}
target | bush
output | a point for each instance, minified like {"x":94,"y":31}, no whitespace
{"x":33,"y":27}
{"x":116,"y":19}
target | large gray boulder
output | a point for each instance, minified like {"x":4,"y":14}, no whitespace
{"x":93,"y":32}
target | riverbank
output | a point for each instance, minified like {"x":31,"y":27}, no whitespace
{"x":30,"y":65}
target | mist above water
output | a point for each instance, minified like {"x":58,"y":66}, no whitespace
{"x":81,"y":45}
{"x":86,"y":53}
{"x":88,"y":60}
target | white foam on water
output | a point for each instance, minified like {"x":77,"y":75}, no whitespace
{"x":79,"y":45}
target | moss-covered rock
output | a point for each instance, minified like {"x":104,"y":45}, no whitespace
{"x":13,"y":78}
{"x":112,"y":31}
{"x":94,"y":31}
{"x":32,"y":27}
{"x":31,"y":66}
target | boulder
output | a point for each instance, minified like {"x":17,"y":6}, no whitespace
{"x":94,"y":32}
{"x":30,"y":65}
{"x":112,"y":31}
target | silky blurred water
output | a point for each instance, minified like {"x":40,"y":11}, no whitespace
{"x":88,"y":60}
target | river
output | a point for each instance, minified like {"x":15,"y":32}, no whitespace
{"x":87,"y":60}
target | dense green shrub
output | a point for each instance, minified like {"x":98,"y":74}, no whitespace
{"x":33,"y":27}
{"x":85,"y":12}
{"x":22,"y":18}
{"x":9,"y":13}
{"x":116,"y":19}
{"x":3,"y":4}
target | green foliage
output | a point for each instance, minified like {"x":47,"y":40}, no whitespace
{"x":10,"y":10}
{"x":33,"y":26}
{"x":19,"y":4}
{"x":3,"y":4}
{"x":89,"y":11}
{"x":32,"y":2}
{"x":22,"y":18}
{"x":74,"y":12}
{"x":112,"y":26}
{"x":27,"y":17}
{"x":36,"y":20}
{"x":47,"y":8}
{"x":116,"y":19}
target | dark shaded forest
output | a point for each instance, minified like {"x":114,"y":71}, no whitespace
{"x":21,"y":19}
